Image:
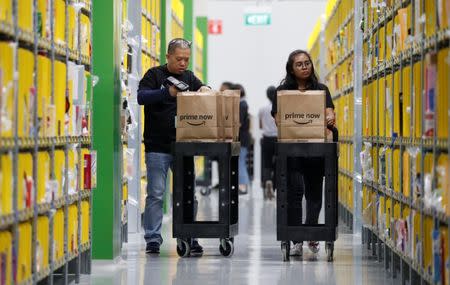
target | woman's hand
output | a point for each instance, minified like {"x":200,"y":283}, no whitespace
{"x":331,"y":117}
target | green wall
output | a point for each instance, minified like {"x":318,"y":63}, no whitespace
{"x":163,"y":32}
{"x":106,"y":227}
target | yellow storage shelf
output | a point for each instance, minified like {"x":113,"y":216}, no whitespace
{"x":6,"y":249}
{"x":24,"y":252}
{"x":43,"y":249}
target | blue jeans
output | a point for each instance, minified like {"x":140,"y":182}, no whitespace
{"x":243,"y":171}
{"x":158,"y":165}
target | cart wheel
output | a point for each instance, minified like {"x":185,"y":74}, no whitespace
{"x":226,"y":247}
{"x":183,"y":248}
{"x":285,"y":250}
{"x":205,"y":191}
{"x":329,"y":248}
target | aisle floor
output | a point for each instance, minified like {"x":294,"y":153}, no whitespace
{"x":256,"y":260}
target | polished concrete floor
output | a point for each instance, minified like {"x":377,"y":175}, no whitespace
{"x":256,"y":259}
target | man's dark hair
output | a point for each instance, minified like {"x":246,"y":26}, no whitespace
{"x":178,"y":43}
{"x":271,"y":93}
{"x":290,"y":81}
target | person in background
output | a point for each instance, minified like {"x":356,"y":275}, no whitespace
{"x":305,"y":175}
{"x":269,"y":139}
{"x":160,"y":109}
{"x":226,"y":85}
{"x":244,"y":138}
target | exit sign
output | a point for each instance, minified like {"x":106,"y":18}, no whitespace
{"x":258,"y":19}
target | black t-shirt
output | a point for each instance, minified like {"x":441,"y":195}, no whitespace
{"x":318,"y":86}
{"x":159,"y":127}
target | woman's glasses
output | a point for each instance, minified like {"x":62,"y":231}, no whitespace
{"x":302,"y":65}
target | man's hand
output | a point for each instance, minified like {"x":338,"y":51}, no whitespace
{"x":331,"y":117}
{"x":173,"y":91}
{"x":204,"y":89}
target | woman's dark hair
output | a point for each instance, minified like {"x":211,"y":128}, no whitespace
{"x":271,"y":93}
{"x":290,"y":81}
{"x":228,"y":84}
{"x":238,"y":86}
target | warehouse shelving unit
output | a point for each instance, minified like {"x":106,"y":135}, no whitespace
{"x":405,"y":127}
{"x":334,"y":63}
{"x":146,"y":17}
{"x":125,"y":117}
{"x":45,"y":67}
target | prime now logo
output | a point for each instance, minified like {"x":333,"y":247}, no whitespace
{"x":196,"y":117}
{"x":301,"y":116}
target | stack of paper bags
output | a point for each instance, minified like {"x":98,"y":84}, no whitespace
{"x":199,"y":116}
{"x":301,"y":116}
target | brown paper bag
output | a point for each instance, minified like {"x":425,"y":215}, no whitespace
{"x":199,"y":116}
{"x":236,"y":114}
{"x":301,"y":116}
{"x":231,"y":99}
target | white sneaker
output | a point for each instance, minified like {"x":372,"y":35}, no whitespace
{"x":297,"y":249}
{"x":314,"y":246}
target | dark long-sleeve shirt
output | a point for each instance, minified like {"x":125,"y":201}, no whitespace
{"x":160,"y":108}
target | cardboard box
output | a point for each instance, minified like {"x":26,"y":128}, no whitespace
{"x":301,"y":116}
{"x":199,"y":116}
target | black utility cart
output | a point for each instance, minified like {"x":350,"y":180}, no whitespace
{"x":184,"y":225}
{"x":322,"y":232}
